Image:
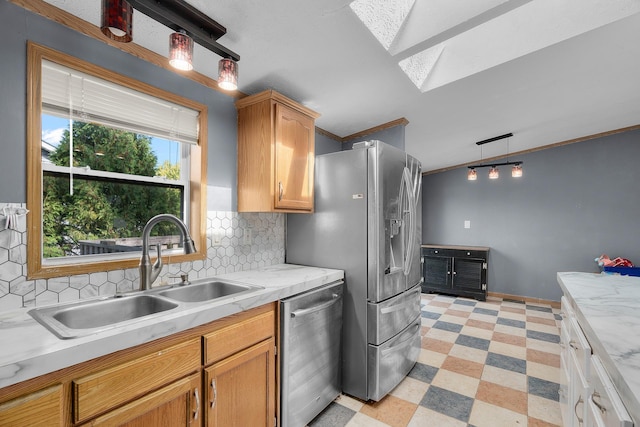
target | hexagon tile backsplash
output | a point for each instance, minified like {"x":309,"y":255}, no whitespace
{"x":235,"y":242}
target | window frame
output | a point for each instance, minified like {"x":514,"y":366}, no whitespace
{"x":36,"y":268}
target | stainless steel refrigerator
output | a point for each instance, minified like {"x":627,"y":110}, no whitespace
{"x":367,"y":222}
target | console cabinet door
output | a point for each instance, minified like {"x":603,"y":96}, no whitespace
{"x":240,"y":390}
{"x":437,"y":272}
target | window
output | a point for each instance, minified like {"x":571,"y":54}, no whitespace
{"x":107,"y":153}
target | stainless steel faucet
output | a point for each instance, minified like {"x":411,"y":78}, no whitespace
{"x":148,"y":272}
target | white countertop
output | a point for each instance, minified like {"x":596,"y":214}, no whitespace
{"x":608,"y":310}
{"x":28,"y":349}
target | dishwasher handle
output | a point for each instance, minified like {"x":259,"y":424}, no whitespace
{"x":304,"y":311}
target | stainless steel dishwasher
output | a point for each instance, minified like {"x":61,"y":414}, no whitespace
{"x":310,"y":345}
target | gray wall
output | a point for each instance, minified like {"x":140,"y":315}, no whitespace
{"x":325,"y":145}
{"x":573,"y":204}
{"x":19,"y":25}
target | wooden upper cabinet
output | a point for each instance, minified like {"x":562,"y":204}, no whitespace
{"x":276,"y":150}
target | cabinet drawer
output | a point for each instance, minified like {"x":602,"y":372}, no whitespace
{"x":604,"y":403}
{"x":42,"y":408}
{"x":112,"y":387}
{"x":231,"y":339}
{"x":579,"y":345}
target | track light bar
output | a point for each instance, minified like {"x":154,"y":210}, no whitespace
{"x":495,"y":138}
{"x":179,"y":15}
{"x":490,"y":165}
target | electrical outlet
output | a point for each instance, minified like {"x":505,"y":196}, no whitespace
{"x":467,"y":224}
{"x":246,"y":236}
{"x":217,"y":236}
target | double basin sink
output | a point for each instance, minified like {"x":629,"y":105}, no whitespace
{"x":92,"y":316}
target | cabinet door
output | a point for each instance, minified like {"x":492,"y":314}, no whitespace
{"x":177,"y":404}
{"x":468,"y":273}
{"x":294,"y":159}
{"x":437,"y":272}
{"x":241,"y":388}
{"x":42,"y":408}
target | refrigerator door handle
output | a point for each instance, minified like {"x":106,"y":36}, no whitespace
{"x":410,"y":243}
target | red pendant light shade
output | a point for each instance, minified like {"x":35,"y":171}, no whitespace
{"x":228,"y":74}
{"x":117,"y":20}
{"x":181,"y":51}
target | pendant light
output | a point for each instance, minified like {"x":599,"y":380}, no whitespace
{"x":117,"y":20}
{"x":181,"y":51}
{"x":516,"y":171}
{"x":494,"y":173}
{"x":228,"y":74}
{"x":472,"y":175}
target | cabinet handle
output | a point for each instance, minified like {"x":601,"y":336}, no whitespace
{"x":573,"y":345}
{"x":280,"y":190}
{"x":600,"y":406}
{"x":197,"y":411}
{"x":214,"y":393}
{"x":575,"y":410}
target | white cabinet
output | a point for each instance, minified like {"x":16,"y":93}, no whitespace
{"x":587,"y":395}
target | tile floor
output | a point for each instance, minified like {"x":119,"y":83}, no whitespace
{"x":482,"y":364}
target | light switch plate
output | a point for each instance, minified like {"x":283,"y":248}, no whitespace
{"x":467,"y":224}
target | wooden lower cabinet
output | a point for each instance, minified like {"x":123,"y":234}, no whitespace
{"x":177,"y":404}
{"x":241,"y":388}
{"x":41,"y":408}
{"x":222,"y":373}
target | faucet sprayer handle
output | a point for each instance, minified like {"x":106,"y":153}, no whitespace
{"x":158,"y":264}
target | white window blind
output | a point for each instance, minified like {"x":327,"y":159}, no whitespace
{"x":67,"y":92}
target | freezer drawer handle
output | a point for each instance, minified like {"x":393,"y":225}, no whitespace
{"x":304,"y":311}
{"x":404,"y":343}
{"x":398,"y":307}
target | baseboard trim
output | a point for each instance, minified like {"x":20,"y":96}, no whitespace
{"x":554,"y":304}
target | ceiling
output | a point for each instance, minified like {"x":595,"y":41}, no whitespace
{"x":459,"y":71}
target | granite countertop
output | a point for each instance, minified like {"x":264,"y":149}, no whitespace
{"x":28,"y":349}
{"x":608,"y":310}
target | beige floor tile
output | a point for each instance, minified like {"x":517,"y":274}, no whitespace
{"x":460,"y":307}
{"x":542,"y":320}
{"x":549,"y":347}
{"x":410,"y":390}
{"x":390,"y":410}
{"x":454,"y":311}
{"x":508,"y":349}
{"x":542,"y":314}
{"x":544,"y":409}
{"x":480,"y":324}
{"x":436,"y":345}
{"x":504,"y":397}
{"x":477,"y":332}
{"x":543,"y":328}
{"x":509,"y":339}
{"x":431,"y":358}
{"x":446,"y":298}
{"x":468,"y":353}
{"x":427,"y":322}
{"x":504,"y":377}
{"x":424,"y":417}
{"x":513,"y":316}
{"x":543,"y":357}
{"x":442,"y":335}
{"x":483,"y":317}
{"x":509,"y":304}
{"x":487,"y":415}
{"x":489,"y":305}
{"x":462,"y":366}
{"x":453,"y":319}
{"x":349,"y":402}
{"x":521,"y":332}
{"x":544,"y":372}
{"x":452,"y":381}
{"x":436,"y":308}
{"x":362,"y":420}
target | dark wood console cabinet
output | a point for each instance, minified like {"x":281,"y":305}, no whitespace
{"x":455,"y":270}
